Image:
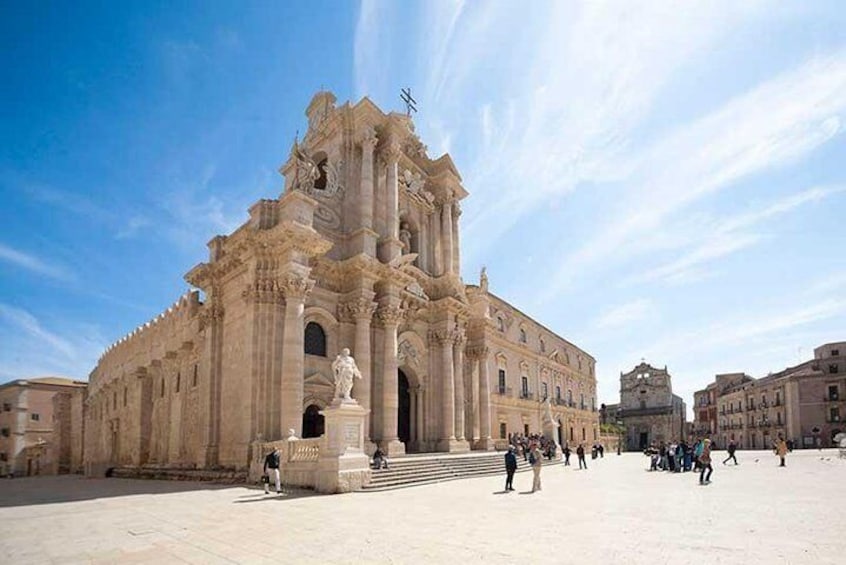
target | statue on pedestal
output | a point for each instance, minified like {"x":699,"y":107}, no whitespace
{"x":344,"y":369}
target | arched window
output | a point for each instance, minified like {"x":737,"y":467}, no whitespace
{"x":542,"y":346}
{"x":522,"y":335}
{"x":315,"y":339}
{"x":500,"y":324}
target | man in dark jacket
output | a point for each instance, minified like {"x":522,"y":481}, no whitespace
{"x":580,"y":451}
{"x":271,"y":469}
{"x":732,"y":447}
{"x":567,"y":455}
{"x":510,"y":468}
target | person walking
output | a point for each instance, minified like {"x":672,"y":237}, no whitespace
{"x":580,"y":452}
{"x":781,"y":449}
{"x":567,"y":455}
{"x":732,"y":447}
{"x":510,"y":468}
{"x":705,"y":463}
{"x":271,"y":469}
{"x":536,"y":461}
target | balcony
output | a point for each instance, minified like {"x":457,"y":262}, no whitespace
{"x":833,"y":419}
{"x":503,"y":391}
{"x":765,"y":405}
{"x":832,"y":397}
{"x":571,"y":404}
{"x":526,"y":395}
{"x":560,"y":402}
{"x":752,"y":424}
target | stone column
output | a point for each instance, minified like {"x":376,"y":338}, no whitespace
{"x":361,"y":310}
{"x":458,"y":372}
{"x":437,"y":244}
{"x":446,"y":227}
{"x":213,"y":318}
{"x":392,"y":246}
{"x":456,"y":245}
{"x":293,"y":355}
{"x":420,"y":433}
{"x":474,"y":402}
{"x":485,"y":441}
{"x":368,"y":143}
{"x":390,"y":317}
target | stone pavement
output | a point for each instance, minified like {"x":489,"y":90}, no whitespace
{"x":615,"y":512}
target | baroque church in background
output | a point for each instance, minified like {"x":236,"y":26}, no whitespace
{"x":361,"y":250}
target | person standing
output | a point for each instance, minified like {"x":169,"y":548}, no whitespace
{"x":732,"y":447}
{"x":271,"y":469}
{"x":536,"y":461}
{"x":566,"y":455}
{"x":580,"y":452}
{"x":781,"y":449}
{"x":510,"y":468}
{"x":705,"y":463}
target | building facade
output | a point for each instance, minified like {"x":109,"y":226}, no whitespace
{"x":29,"y":430}
{"x":361,"y":251}
{"x":648,"y":409}
{"x":806,"y":404}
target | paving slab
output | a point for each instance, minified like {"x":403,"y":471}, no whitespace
{"x":614,"y":512}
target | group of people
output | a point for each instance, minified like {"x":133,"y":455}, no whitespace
{"x":679,"y":457}
{"x":533,"y":448}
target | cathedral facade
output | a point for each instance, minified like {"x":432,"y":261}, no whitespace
{"x":360,"y":251}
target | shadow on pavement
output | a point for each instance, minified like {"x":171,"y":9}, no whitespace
{"x":27,"y":491}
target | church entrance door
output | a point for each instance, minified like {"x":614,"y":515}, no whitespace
{"x":644,"y":440}
{"x":404,"y":409}
{"x":312,"y":422}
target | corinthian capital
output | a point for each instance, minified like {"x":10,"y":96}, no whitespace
{"x":296,"y":287}
{"x":358,"y":309}
{"x":391,"y":152}
{"x":390,"y":315}
{"x":368,"y":138}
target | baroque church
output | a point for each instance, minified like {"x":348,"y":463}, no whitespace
{"x":360,"y":251}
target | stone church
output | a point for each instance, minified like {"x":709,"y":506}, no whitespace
{"x":360,"y":251}
{"x":648,"y":409}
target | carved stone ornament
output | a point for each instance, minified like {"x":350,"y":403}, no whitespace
{"x":296,"y":287}
{"x":390,"y":315}
{"x":408,"y":354}
{"x":413,"y":184}
{"x":417,"y":290}
{"x":359,"y":308}
{"x":368,"y":138}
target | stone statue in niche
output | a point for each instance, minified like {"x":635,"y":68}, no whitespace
{"x":345,"y":370}
{"x":405,"y":237}
{"x":483,"y":280}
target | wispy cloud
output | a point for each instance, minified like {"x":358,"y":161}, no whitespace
{"x":32,"y":263}
{"x":624,"y":314}
{"x":775,"y":123}
{"x":31,"y":349}
{"x":724,"y":237}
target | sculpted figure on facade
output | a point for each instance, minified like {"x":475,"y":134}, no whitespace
{"x":344,"y":369}
{"x":405,"y":237}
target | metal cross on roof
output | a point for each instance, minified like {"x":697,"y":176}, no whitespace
{"x":410,"y":102}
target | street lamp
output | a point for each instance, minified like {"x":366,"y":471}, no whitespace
{"x":620,"y":436}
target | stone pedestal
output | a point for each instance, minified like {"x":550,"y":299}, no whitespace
{"x":343,"y":465}
{"x":550,"y":430}
{"x":484,"y":444}
{"x":453,"y":446}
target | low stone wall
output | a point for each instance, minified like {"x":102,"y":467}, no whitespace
{"x":224,"y":476}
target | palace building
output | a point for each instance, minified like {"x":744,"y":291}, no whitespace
{"x":361,"y":250}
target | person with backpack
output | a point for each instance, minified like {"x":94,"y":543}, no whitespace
{"x":271,"y":470}
{"x":536,"y":461}
{"x":510,"y":468}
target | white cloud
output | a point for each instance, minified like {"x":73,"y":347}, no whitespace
{"x":32,"y":263}
{"x":725,"y":237}
{"x":31,"y":349}
{"x":625,"y":314}
{"x":776,"y":123}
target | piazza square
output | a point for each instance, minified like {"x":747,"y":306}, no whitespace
{"x":615,"y":511}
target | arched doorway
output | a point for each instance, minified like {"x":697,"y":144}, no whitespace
{"x":312,"y":422}
{"x":404,"y":409}
{"x":560,"y":433}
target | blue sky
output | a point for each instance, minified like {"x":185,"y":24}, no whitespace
{"x":650,"y":180}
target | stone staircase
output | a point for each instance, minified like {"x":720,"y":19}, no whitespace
{"x":415,"y":470}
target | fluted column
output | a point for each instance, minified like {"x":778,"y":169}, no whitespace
{"x":361,"y":310}
{"x":456,"y":244}
{"x":446,"y":227}
{"x":391,"y":155}
{"x":420,"y":433}
{"x":484,"y":402}
{"x":458,"y":372}
{"x":474,"y":401}
{"x":368,"y":143}
{"x":390,"y":317}
{"x":293,"y":354}
{"x":437,"y":244}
